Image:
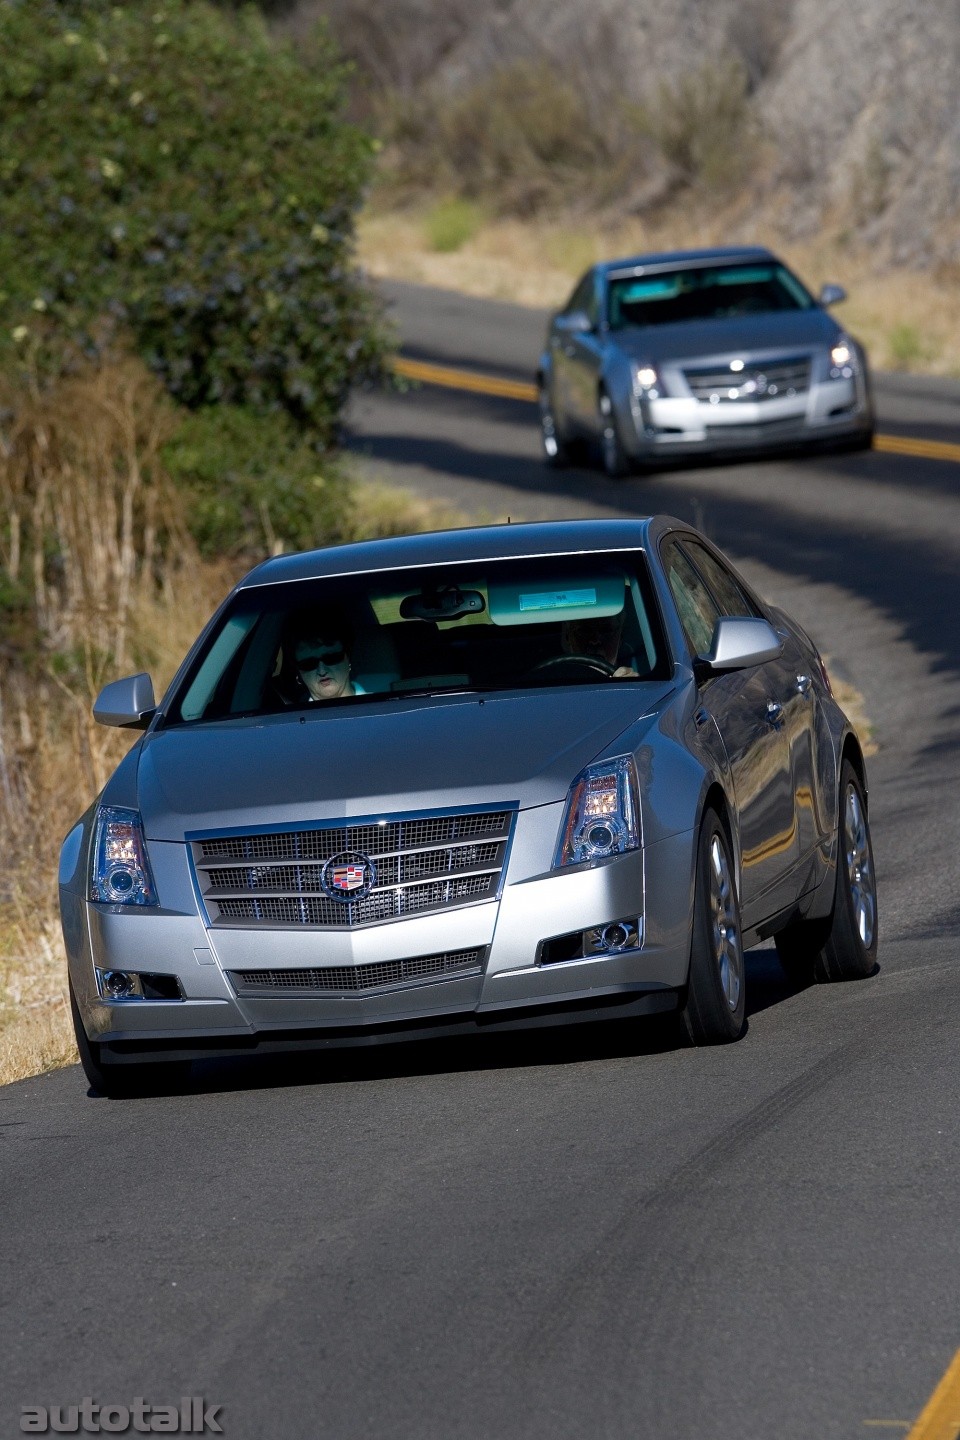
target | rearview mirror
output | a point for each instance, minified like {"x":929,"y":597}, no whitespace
{"x":127,"y":702}
{"x":738,"y":643}
{"x":832,"y":295}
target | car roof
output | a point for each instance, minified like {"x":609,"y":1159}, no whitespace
{"x":672,"y":259}
{"x":487,"y":542}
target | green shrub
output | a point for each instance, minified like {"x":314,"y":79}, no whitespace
{"x":907,"y":348}
{"x":451,"y":223}
{"x":252,"y":484}
{"x":171,"y":171}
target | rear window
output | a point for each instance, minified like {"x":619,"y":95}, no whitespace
{"x":564,"y":620}
{"x":714,"y":292}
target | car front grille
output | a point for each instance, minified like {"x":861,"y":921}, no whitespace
{"x":275,"y":878}
{"x":757,"y":381}
{"x":351,"y":979}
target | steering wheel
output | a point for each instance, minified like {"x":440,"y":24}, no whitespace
{"x":582,"y":662}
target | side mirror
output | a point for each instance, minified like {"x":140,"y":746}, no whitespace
{"x":832,"y":295}
{"x":129,"y":702}
{"x":575,"y":322}
{"x":739,"y":643}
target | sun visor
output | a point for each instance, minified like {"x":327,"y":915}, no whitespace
{"x":531,"y":602}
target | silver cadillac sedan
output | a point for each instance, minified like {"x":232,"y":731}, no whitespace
{"x":699,"y":353}
{"x":464,"y":782}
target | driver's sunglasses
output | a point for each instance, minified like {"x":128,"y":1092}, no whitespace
{"x":334,"y":656}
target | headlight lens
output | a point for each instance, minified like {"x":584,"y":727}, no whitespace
{"x":121,"y":871}
{"x":603,"y":813}
{"x":646,"y":377}
{"x":842,"y":359}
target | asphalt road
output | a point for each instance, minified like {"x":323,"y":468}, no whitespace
{"x":591,"y":1234}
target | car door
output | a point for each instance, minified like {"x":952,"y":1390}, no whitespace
{"x":583,"y":358}
{"x":791,"y":687}
{"x":755,"y":741}
{"x":564,"y":356}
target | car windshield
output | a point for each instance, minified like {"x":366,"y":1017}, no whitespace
{"x":503,"y":625}
{"x":715,"y":292}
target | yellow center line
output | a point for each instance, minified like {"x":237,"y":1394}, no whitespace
{"x":464,"y":379}
{"x":453,"y":378}
{"x":911,"y":445}
{"x":940,"y":1417}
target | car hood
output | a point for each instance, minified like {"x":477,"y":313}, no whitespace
{"x":380,"y":759}
{"x":702,"y":339}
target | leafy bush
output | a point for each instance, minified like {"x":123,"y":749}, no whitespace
{"x":251,"y":484}
{"x":172,"y":171}
{"x":451,"y":223}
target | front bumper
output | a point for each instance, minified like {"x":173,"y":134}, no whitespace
{"x":830,"y":412}
{"x":512,"y":983}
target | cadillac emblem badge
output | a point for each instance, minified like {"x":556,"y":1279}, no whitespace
{"x":348,"y":876}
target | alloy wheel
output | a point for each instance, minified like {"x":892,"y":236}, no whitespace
{"x":860,"y":877}
{"x":726,"y":934}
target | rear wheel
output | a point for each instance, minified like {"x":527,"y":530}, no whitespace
{"x":116,"y":1081}
{"x":616,"y":461}
{"x":715,"y":1007}
{"x":843,"y":946}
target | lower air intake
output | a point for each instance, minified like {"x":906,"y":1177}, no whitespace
{"x":349,"y":979}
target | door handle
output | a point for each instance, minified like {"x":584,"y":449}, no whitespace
{"x":803,"y":683}
{"x":774,"y":712}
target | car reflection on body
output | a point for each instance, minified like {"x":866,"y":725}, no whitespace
{"x":579,"y":768}
{"x":699,"y":353}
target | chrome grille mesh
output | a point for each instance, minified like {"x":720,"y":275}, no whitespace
{"x":757,"y":381}
{"x":429,"y":863}
{"x":348,"y":979}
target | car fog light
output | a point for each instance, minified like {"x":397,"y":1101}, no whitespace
{"x":119,"y":984}
{"x":610,"y":939}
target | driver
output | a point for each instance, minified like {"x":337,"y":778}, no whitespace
{"x":319,"y":649}
{"x":598,"y":638}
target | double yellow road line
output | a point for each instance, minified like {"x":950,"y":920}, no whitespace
{"x":453,"y":378}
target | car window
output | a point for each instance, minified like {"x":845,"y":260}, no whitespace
{"x":707,"y":292}
{"x":696,"y":607}
{"x":727,"y":590}
{"x":500,"y":625}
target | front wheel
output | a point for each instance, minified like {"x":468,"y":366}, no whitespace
{"x":616,"y":461}
{"x":556,"y":451}
{"x":715,"y":1007}
{"x":844,"y":946}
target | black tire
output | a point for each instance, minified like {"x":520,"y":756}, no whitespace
{"x":844,"y":946}
{"x":555,"y":450}
{"x":714,"y":1011}
{"x":614,"y":458}
{"x":116,"y":1081}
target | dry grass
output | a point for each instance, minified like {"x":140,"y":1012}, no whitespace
{"x":98,"y":577}
{"x":909,"y":320}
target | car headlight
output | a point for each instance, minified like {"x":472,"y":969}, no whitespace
{"x":603,"y":813}
{"x":121,"y":870}
{"x":842,"y":358}
{"x":645,"y":378}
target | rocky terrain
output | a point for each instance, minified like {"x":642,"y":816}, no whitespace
{"x":851,"y":120}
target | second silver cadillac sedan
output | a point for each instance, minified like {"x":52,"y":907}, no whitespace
{"x":699,"y":353}
{"x":463,"y":782}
